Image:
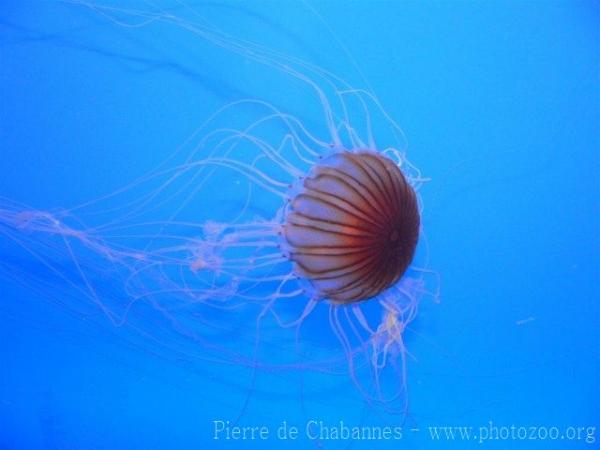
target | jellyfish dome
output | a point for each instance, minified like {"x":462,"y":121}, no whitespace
{"x":353,"y":227}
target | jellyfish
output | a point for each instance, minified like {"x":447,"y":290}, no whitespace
{"x":256,"y":222}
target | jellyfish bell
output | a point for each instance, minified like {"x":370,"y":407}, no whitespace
{"x":353,"y":228}
{"x":260,"y":223}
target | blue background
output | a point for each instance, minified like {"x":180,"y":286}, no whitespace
{"x":500,"y":105}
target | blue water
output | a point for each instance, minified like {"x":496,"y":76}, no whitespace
{"x":500,"y":105}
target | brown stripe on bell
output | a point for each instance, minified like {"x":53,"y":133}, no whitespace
{"x":353,"y":227}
